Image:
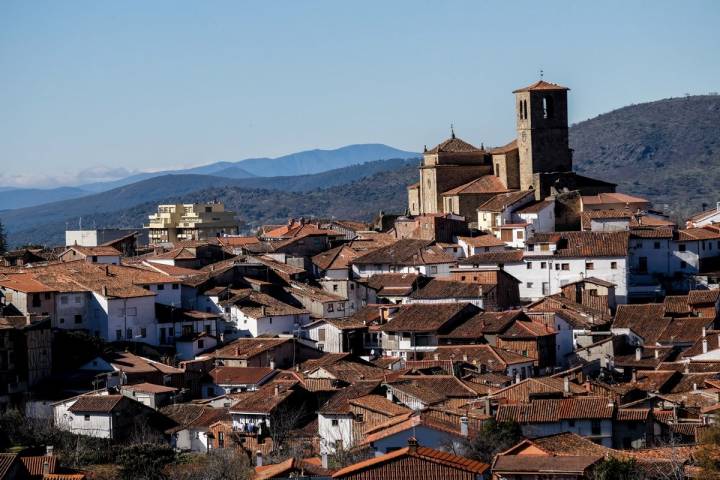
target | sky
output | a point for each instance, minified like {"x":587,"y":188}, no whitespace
{"x":93,"y":90}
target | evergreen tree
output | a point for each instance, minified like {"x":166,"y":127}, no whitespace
{"x":3,"y":239}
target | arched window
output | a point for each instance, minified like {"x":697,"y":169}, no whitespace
{"x":525,"y":109}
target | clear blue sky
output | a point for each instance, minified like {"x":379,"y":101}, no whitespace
{"x":92,"y":85}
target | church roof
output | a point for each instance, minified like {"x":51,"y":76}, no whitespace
{"x":505,"y":148}
{"x":541,"y":85}
{"x":454,"y":145}
{"x":484,"y":184}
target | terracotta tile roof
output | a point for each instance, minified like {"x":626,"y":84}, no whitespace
{"x":493,"y":258}
{"x":509,"y":147}
{"x":406,"y":252}
{"x":541,"y":85}
{"x":180,"y":253}
{"x":335,"y":258}
{"x":240,"y":375}
{"x":350,"y":371}
{"x":544,"y":465}
{"x":428,"y":317}
{"x":394,"y":283}
{"x":487,"y":240}
{"x":237,"y":241}
{"x":64,"y":476}
{"x":149,"y":388}
{"x":6,"y":462}
{"x":645,"y":320}
{"x":297,"y":230}
{"x":569,"y":444}
{"x":256,"y":304}
{"x":713,"y":340}
{"x":99,"y":251}
{"x":247,"y":348}
{"x":380,"y":404}
{"x":422,"y":453}
{"x":24,"y":282}
{"x":684,"y":330}
{"x":35,"y":464}
{"x":555,"y":410}
{"x":170,"y":270}
{"x":584,"y":244}
{"x":659,"y":232}
{"x":632,"y":414}
{"x":284,"y":469}
{"x":431,"y":389}
{"x":609,"y":198}
{"x":535,"y":207}
{"x":454,"y":145}
{"x":496,"y":359}
{"x":484,"y":184}
{"x":500,"y":202}
{"x":437,"y":289}
{"x":676,"y":304}
{"x":264,"y":400}
{"x":97,"y":403}
{"x":698,"y":297}
{"x":339,"y":403}
{"x":705,"y":233}
{"x":130,"y":363}
{"x":485,"y":322}
{"x":527,"y":330}
{"x":525,"y":390}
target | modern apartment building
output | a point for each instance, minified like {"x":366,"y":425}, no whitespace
{"x":190,"y":221}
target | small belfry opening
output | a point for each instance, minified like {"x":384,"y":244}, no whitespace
{"x":547,"y":104}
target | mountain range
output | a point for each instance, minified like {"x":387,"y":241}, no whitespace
{"x":667,"y":151}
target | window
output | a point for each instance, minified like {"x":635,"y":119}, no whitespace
{"x":330,"y":307}
{"x":63,"y":300}
{"x":334,"y":422}
{"x":639,"y":244}
{"x":543,"y":265}
{"x":596,"y":427}
{"x":62,"y":320}
{"x":77,"y":299}
{"x":352,"y":286}
{"x":531,"y":248}
{"x":497,"y":169}
{"x":47,"y":295}
{"x":656,"y":245}
{"x":208,"y":329}
{"x":175,"y":286}
{"x":132,"y":311}
{"x":589,"y":266}
{"x":143,"y":332}
{"x":210,"y":392}
{"x":683,"y":264}
{"x":128,"y":334}
{"x":321,"y":334}
{"x":118,"y":335}
{"x":201,"y":343}
{"x":529,"y":284}
{"x":359,"y":417}
{"x":557,"y":266}
{"x":546,"y":288}
{"x":565,"y":266}
{"x":528,"y":265}
{"x":547,"y":105}
{"x":520,"y":235}
{"x":682,"y":247}
{"x":36,"y":301}
{"x":87,"y":418}
{"x":160,"y":286}
{"x":335,"y":288}
{"x":613,"y":265}
{"x":94,"y":259}
{"x":433,"y":269}
{"x":643,"y":264}
{"x":571,"y":423}
{"x":78,"y":319}
{"x":544,"y":247}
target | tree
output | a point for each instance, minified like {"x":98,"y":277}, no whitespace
{"x":616,"y":469}
{"x":145,"y":461}
{"x":219,"y":464}
{"x":493,"y":438}
{"x":708,"y":456}
{"x":3,"y":239}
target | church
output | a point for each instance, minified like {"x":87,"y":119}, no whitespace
{"x":457,"y":177}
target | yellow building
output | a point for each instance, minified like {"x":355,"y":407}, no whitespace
{"x":190,"y":221}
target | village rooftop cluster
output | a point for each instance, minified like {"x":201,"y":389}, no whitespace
{"x":511,"y":290}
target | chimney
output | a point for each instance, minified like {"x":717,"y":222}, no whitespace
{"x":566,"y":384}
{"x":49,"y":450}
{"x":107,"y":270}
{"x":704,"y":332}
{"x":258,"y":459}
{"x":388,"y":394}
{"x":465,"y":357}
{"x":277,"y":390}
{"x":272,"y":364}
{"x":487,"y":406}
{"x":324,"y":460}
{"x":436,"y":356}
{"x":46,"y":466}
{"x":705,"y":344}
{"x":638,"y":354}
{"x":464,"y":426}
{"x":657,"y":353}
{"x":634,"y":376}
{"x":104,"y":291}
{"x":412,"y":444}
{"x":694,"y":387}
{"x":687,"y":367}
{"x":517,"y":378}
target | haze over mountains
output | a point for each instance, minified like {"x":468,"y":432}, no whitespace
{"x":300,"y":163}
{"x":668,"y":151}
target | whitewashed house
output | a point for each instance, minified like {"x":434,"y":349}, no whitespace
{"x":706,"y":217}
{"x":253,"y":313}
{"x":480,"y":244}
{"x":225,"y":380}
{"x":405,"y":256}
{"x":100,"y":416}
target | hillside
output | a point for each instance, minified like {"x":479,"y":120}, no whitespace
{"x":667,"y":151}
{"x":27,"y":197}
{"x":130,"y":205}
{"x":359,"y":200}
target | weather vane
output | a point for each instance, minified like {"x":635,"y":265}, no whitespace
{"x":541,"y":74}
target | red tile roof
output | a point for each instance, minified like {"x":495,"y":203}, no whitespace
{"x":555,"y":410}
{"x":97,"y":403}
{"x":454,"y":145}
{"x":35,"y":465}
{"x":584,"y":244}
{"x":500,"y":202}
{"x":428,"y":317}
{"x":240,"y":375}
{"x":425,"y":454}
{"x":541,"y":85}
{"x":484,"y":184}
